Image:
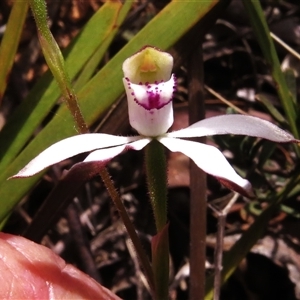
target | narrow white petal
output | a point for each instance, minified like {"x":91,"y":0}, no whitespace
{"x":210,"y":160}
{"x":69,"y":147}
{"x":90,"y":167}
{"x":109,"y":153}
{"x":235,"y":124}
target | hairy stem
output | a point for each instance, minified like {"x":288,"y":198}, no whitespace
{"x":56,"y":62}
{"x":156,"y":167}
{"x":156,"y":170}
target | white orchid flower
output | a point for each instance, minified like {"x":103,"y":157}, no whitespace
{"x":149,"y":86}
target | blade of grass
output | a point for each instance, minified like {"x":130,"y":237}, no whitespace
{"x":290,"y":78}
{"x":9,"y":45}
{"x":262,"y":33}
{"x":271,"y":108}
{"x":90,"y":67}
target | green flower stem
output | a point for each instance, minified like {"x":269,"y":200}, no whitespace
{"x":160,"y":263}
{"x":56,"y":64}
{"x":156,"y":169}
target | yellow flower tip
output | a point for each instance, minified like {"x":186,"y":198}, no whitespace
{"x":147,"y":63}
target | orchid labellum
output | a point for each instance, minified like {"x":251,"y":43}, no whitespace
{"x":149,"y":86}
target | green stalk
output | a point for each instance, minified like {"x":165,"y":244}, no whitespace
{"x":160,"y":263}
{"x":156,"y":167}
{"x":56,"y":62}
{"x":262,"y":33}
{"x":156,"y":170}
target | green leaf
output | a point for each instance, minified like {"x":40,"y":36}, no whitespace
{"x":271,"y":108}
{"x":9,"y":45}
{"x":290,"y":211}
{"x":290,"y":77}
{"x":160,"y":263}
{"x":262,"y":33}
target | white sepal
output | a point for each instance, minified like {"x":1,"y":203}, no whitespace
{"x":105,"y":155}
{"x":69,"y":147}
{"x":235,"y":124}
{"x":210,"y":160}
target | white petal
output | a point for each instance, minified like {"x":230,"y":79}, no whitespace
{"x":235,"y":124}
{"x":69,"y":147}
{"x":109,"y":153}
{"x":210,"y":160}
{"x":150,"y":106}
{"x":84,"y":171}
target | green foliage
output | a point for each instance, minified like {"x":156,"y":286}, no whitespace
{"x":8,"y":45}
